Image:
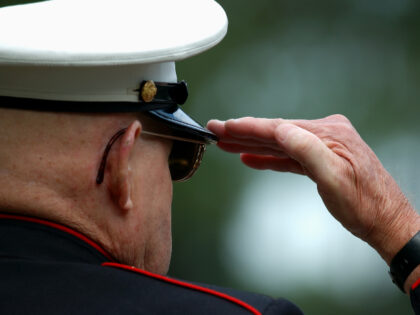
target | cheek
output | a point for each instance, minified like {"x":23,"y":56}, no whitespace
{"x":154,"y":179}
{"x":153,"y":185}
{"x":159,"y":217}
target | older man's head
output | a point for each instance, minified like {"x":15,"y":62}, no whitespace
{"x":48,"y":166}
{"x":91,"y":132}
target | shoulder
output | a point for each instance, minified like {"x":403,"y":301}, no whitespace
{"x":68,"y":288}
{"x":264,"y":304}
{"x":207,"y":299}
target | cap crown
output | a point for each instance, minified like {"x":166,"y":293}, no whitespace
{"x":101,"y":50}
{"x":105,"y":32}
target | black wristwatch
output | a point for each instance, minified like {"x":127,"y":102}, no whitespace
{"x":405,"y":261}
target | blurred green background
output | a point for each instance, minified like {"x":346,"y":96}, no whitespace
{"x":268,"y":232}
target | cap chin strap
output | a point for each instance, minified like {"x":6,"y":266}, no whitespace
{"x":80,"y":107}
{"x":152,"y":96}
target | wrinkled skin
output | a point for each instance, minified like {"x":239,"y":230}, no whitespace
{"x":352,"y":182}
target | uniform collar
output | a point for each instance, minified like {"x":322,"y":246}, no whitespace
{"x":37,"y":239}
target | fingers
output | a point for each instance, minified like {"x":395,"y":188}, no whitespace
{"x":261,"y":162}
{"x":308,"y":150}
{"x":271,"y":141}
{"x":218,"y":128}
{"x":252,"y":128}
{"x":245,"y":130}
{"x":257,"y":148}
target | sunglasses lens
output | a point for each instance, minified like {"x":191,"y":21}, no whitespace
{"x":184,"y":159}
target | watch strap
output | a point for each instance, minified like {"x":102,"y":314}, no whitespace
{"x":405,"y":261}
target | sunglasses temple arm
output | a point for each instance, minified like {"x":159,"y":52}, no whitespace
{"x":101,"y":171}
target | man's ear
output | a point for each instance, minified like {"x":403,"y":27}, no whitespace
{"x":120,"y":183}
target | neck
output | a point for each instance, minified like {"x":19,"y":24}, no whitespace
{"x":80,"y":211}
{"x":35,"y":198}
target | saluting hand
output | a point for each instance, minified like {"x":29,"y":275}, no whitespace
{"x":352,"y":182}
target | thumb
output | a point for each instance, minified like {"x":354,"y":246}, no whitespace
{"x":308,"y":150}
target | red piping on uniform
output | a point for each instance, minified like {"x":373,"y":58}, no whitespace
{"x":415,"y":284}
{"x":185,"y":285}
{"x":59,"y":227}
{"x":134,"y":269}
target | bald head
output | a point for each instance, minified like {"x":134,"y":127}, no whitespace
{"x":41,"y":146}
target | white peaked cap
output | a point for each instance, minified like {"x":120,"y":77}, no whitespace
{"x":101,"y":50}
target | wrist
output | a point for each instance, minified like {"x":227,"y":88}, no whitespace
{"x":391,"y":236}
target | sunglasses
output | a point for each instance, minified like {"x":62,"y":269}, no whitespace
{"x":184,"y":159}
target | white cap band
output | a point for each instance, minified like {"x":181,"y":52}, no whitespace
{"x":91,"y":84}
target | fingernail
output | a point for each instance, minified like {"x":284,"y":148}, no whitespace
{"x":216,"y":121}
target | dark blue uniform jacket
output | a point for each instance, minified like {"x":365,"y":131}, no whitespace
{"x":47,"y":268}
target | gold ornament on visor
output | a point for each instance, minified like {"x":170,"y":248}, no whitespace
{"x":148,"y":91}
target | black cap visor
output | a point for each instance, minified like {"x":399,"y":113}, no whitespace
{"x":175,"y":124}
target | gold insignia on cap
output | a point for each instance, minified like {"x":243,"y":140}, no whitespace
{"x":148,"y":91}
